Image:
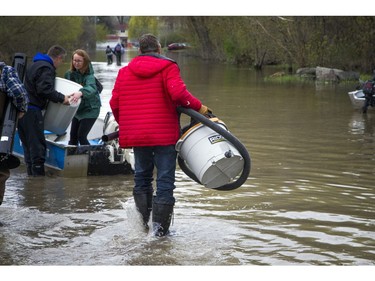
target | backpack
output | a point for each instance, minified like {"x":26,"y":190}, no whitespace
{"x":118,"y":48}
{"x":99,"y":85}
{"x":368,"y":88}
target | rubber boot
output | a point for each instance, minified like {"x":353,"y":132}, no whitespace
{"x":4,"y":175}
{"x":29,"y":170}
{"x":161,"y":218}
{"x":143,"y":203}
{"x":364,"y":108}
{"x":38,"y":170}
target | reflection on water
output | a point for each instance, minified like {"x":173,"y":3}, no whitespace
{"x":309,"y":199}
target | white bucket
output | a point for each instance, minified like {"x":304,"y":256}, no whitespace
{"x":212,"y":159}
{"x":58,"y":116}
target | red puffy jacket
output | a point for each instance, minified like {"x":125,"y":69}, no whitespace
{"x":144,"y":100}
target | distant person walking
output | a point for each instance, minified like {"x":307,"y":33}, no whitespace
{"x":118,"y":53}
{"x":109,"y":53}
{"x":82,"y":72}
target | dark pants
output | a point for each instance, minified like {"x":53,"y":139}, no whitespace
{"x":110,"y":59}
{"x":118,"y":58}
{"x":79,"y":130}
{"x":164,"y":159}
{"x":31,"y":132}
{"x":369,"y":101}
{"x":4,"y":175}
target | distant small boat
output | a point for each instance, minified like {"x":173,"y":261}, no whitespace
{"x":358,"y":99}
{"x":178,"y":46}
{"x":98,"y":158}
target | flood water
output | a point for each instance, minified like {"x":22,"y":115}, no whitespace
{"x":309,"y":199}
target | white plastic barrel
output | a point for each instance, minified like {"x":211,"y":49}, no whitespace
{"x":212,"y":159}
{"x":58,"y":116}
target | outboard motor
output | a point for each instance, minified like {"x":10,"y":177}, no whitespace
{"x":110,"y":138}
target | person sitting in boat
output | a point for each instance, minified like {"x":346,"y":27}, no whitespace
{"x":12,"y":87}
{"x":82,"y":72}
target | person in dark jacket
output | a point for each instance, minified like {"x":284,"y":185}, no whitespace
{"x":368,"y":89}
{"x":118,"y":51}
{"x":144,"y":102}
{"x":40,"y":85}
{"x":81,"y":72}
{"x":109,"y":54}
{"x":11,"y":87}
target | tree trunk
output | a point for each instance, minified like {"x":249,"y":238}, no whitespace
{"x":199,"y":26}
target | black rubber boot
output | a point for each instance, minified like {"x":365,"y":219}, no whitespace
{"x":364,"y":108}
{"x":38,"y":170}
{"x":143,"y":202}
{"x":4,"y":175}
{"x":29,"y":170}
{"x":161,"y":218}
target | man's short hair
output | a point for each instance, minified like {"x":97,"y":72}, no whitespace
{"x":148,"y":43}
{"x":56,"y":51}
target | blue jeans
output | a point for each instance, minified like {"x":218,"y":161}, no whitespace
{"x":164,"y":159}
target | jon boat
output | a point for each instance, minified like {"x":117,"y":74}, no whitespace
{"x":357,"y":99}
{"x":98,"y":158}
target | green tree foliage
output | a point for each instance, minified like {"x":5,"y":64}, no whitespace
{"x":142,"y":25}
{"x":36,"y":34}
{"x":205,"y":37}
{"x":306,"y":41}
{"x":340,"y":42}
{"x":101,"y":32}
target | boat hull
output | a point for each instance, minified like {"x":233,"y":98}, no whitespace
{"x":77,"y":161}
{"x":357,"y":99}
{"x":98,"y":158}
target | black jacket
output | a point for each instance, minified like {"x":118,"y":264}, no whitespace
{"x":40,"y":82}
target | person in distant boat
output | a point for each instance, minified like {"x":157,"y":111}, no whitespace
{"x":118,"y":50}
{"x":82,"y":72}
{"x":40,"y":86}
{"x":109,"y":54}
{"x":144,"y":102}
{"x":368,"y":89}
{"x":12,"y":87}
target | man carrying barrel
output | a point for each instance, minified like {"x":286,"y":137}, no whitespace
{"x":144,"y":102}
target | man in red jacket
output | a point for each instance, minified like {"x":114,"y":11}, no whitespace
{"x":144,"y":101}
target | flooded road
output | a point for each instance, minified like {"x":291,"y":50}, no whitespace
{"x":309,"y":199}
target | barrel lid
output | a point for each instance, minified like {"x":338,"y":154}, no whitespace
{"x":196,"y":126}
